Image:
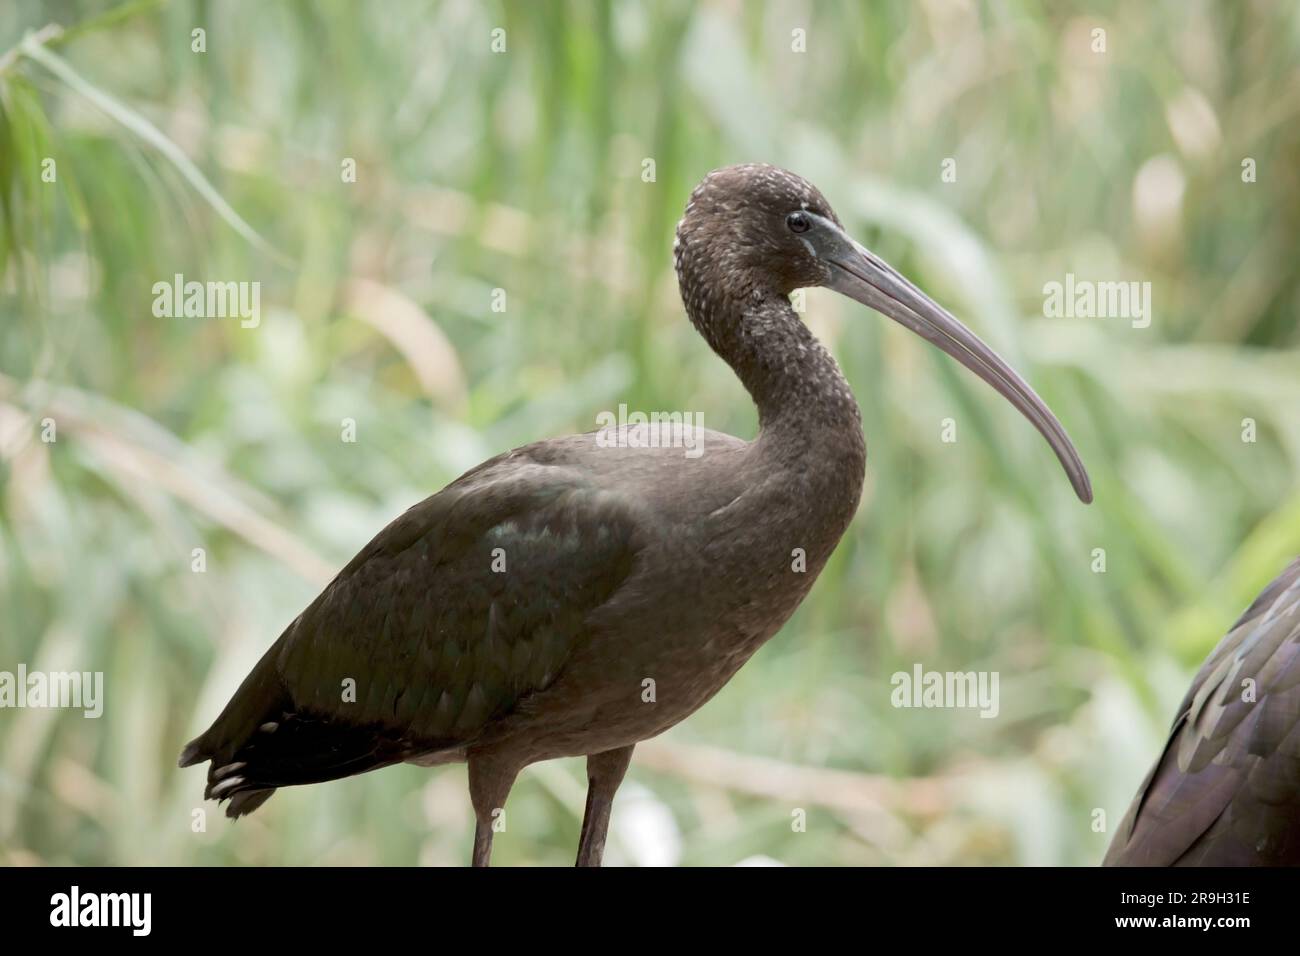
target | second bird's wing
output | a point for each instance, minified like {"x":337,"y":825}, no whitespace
{"x":1226,"y":789}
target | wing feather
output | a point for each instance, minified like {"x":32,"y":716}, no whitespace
{"x":1226,"y":789}
{"x":461,"y":608}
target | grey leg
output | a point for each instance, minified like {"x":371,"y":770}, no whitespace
{"x":604,"y":773}
{"x":489,"y":785}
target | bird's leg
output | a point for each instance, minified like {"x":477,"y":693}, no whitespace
{"x":604,"y":774}
{"x":482,"y":844}
{"x":489,"y":785}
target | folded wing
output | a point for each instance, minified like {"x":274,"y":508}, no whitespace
{"x":453,"y":615}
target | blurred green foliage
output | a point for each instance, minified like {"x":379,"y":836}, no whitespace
{"x":523,"y":170}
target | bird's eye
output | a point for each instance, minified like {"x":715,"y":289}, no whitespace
{"x":798,"y":222}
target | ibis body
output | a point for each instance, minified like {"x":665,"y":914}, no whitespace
{"x":578,"y":595}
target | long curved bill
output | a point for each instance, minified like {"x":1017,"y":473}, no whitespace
{"x":860,"y":274}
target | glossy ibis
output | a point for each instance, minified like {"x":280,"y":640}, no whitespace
{"x":576,"y":596}
{"x":1226,"y":789}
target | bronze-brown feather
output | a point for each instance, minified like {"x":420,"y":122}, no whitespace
{"x":428,"y":630}
{"x":1226,"y":789}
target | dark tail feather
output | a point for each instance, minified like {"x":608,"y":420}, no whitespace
{"x":259,"y":699}
{"x":261,"y":742}
{"x":192,"y":754}
{"x":293,"y":750}
{"x":246,"y":802}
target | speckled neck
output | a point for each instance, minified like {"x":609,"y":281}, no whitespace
{"x":793,"y":380}
{"x":810,"y":427}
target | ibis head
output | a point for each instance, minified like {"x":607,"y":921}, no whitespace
{"x":764,"y":230}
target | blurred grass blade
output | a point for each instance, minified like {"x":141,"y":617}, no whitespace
{"x":109,"y":19}
{"x":144,"y":129}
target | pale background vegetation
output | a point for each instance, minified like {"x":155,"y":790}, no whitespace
{"x":523,"y":171}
